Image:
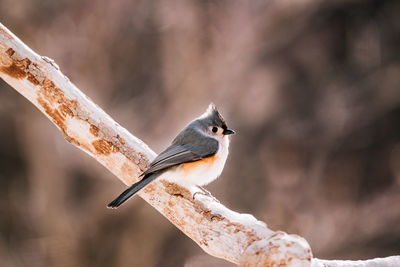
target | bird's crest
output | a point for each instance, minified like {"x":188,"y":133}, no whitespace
{"x":212,"y":114}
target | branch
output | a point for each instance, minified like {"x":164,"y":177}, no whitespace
{"x":238,"y":238}
{"x":393,"y":261}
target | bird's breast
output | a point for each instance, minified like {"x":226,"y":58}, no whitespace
{"x":204,"y":171}
{"x":189,"y":167}
{"x":200,"y":172}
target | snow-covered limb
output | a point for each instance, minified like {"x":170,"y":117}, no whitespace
{"x":239,"y":238}
{"x":393,"y":261}
{"x":223,"y":233}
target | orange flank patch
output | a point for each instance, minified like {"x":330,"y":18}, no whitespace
{"x":204,"y":163}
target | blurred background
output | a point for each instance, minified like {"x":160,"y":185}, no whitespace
{"x":311,"y":87}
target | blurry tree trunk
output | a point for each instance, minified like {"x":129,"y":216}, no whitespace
{"x":52,"y":221}
{"x":238,"y":238}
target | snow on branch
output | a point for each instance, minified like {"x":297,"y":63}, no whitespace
{"x":393,"y":261}
{"x":238,"y":238}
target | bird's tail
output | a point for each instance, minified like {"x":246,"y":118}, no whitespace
{"x":133,"y":189}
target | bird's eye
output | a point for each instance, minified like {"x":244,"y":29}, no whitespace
{"x":214,"y":129}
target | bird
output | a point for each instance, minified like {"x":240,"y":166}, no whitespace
{"x":196,"y":156}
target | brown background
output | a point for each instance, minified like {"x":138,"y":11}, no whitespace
{"x":311,"y":87}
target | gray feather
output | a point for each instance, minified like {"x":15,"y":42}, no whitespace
{"x":187,"y":147}
{"x":133,"y":189}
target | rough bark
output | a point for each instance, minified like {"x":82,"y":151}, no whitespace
{"x":238,"y":238}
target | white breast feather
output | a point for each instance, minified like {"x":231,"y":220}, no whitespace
{"x":201,"y":174}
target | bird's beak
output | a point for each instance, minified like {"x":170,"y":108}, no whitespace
{"x":228,"y":132}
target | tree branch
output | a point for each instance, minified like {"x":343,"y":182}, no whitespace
{"x":238,"y":238}
{"x":393,"y":261}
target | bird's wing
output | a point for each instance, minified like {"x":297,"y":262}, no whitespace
{"x":182,"y":153}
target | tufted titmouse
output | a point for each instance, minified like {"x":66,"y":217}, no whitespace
{"x":195,"y":157}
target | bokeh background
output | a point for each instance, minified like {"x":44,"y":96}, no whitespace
{"x":311,"y":87}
